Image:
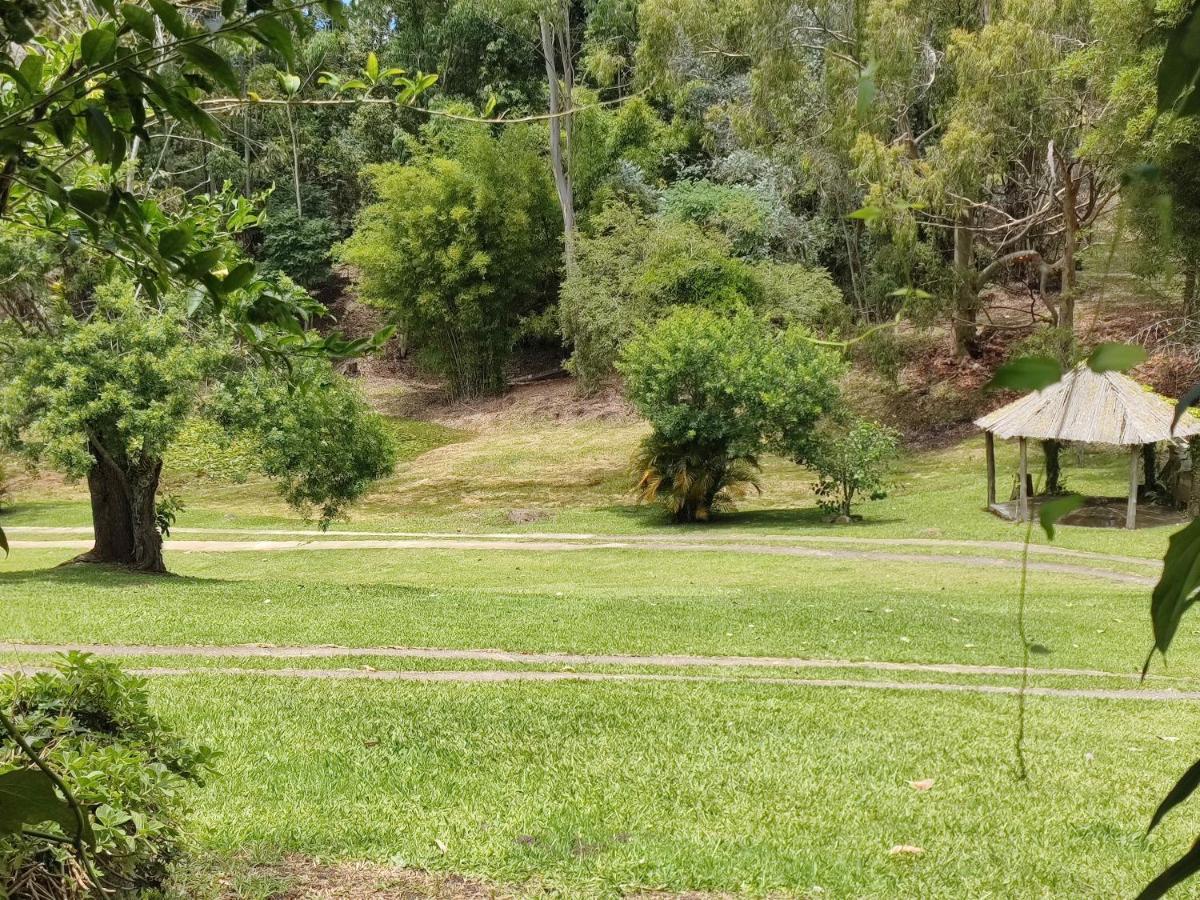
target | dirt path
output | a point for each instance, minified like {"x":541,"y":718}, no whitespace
{"x":651,"y":538}
{"x":327,"y":651}
{"x":495,"y":676}
{"x":555,"y":546}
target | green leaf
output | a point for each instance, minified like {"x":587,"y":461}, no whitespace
{"x":241,"y":276}
{"x":88,"y":200}
{"x":211,"y":63}
{"x":867,"y":213}
{"x":1116,"y":357}
{"x":170,"y":17}
{"x":1027,"y":373}
{"x":290,"y":84}
{"x":1183,"y":789}
{"x":372,"y":68}
{"x":172,"y":241}
{"x":99,"y":133}
{"x":1180,"y":870}
{"x":1176,"y":587}
{"x":1053,"y":510}
{"x":139,"y":19}
{"x":1187,"y":401}
{"x":63,"y":124}
{"x":228,"y":8}
{"x":97,"y":46}
{"x":28,"y":797}
{"x":32,"y":67}
{"x":273,"y":35}
{"x":1180,"y":66}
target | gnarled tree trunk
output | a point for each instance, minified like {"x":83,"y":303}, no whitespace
{"x":966,"y":295}
{"x":123,"y":513}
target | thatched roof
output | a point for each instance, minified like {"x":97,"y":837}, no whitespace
{"x":1105,"y":408}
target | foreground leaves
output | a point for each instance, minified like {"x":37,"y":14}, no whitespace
{"x":1029,"y":373}
{"x":28,"y":798}
{"x":1176,"y":589}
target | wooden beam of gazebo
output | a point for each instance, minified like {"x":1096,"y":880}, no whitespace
{"x":1089,"y":408}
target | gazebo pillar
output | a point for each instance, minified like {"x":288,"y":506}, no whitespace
{"x":1131,"y":509}
{"x":989,"y":443}
{"x":1023,"y":490}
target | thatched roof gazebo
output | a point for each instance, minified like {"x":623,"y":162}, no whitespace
{"x":1084,"y":407}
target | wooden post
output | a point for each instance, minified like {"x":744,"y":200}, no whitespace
{"x":1023,"y":489}
{"x":1131,"y":509}
{"x":989,"y":443}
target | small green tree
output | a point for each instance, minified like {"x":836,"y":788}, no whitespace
{"x":717,"y":390}
{"x":102,"y":385}
{"x":460,"y":246}
{"x":851,"y":462}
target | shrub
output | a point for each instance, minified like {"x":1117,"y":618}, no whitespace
{"x":634,"y":269}
{"x":718,"y":389}
{"x":851,"y":461}
{"x":298,"y":247}
{"x":93,"y":725}
{"x":459,"y":247}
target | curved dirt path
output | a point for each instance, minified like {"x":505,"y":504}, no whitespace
{"x":500,"y":676}
{"x":652,"y":538}
{"x":674,"y":660}
{"x":670,"y":545}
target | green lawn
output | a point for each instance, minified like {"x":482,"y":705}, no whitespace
{"x":583,"y":789}
{"x":577,"y":477}
{"x":594,"y":788}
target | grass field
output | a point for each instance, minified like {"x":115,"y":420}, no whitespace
{"x":728,"y":782}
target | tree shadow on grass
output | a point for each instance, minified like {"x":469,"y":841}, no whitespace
{"x":71,"y":574}
{"x":653,"y":517}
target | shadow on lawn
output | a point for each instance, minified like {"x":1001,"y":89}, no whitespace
{"x":98,"y":575}
{"x":754,"y":519}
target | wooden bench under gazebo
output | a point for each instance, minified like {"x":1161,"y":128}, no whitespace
{"x":1089,"y":408}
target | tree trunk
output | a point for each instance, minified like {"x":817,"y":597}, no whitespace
{"x":966,"y":297}
{"x":1066,"y":315}
{"x":1150,"y":468}
{"x":560,"y":112}
{"x":123,"y":516}
{"x":1189,"y":292}
{"x":1053,"y":467}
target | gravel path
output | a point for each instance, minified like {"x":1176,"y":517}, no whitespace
{"x":492,"y":677}
{"x":326,"y":651}
{"x":652,"y":538}
{"x":556,"y":546}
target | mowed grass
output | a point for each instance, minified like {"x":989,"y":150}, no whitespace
{"x":575,"y":477}
{"x":598,"y":789}
{"x":591,"y":601}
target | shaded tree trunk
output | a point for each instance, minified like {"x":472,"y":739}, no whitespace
{"x":1150,"y":468}
{"x":1066,"y":311}
{"x":123,"y":514}
{"x":556,"y":51}
{"x":966,"y":297}
{"x":1051,"y":450}
{"x":1189,"y":291}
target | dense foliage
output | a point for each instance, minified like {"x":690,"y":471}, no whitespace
{"x":101,"y":387}
{"x":459,"y":246}
{"x":718,"y":389}
{"x":93,"y":724}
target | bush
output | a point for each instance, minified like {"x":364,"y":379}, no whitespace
{"x":93,"y":725}
{"x":851,"y":461}
{"x":633,"y":269}
{"x":459,"y":247}
{"x":314,"y":435}
{"x":298,"y":247}
{"x":718,"y":390}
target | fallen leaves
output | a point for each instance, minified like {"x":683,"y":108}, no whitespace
{"x":906,"y":850}
{"x":922,"y":785}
